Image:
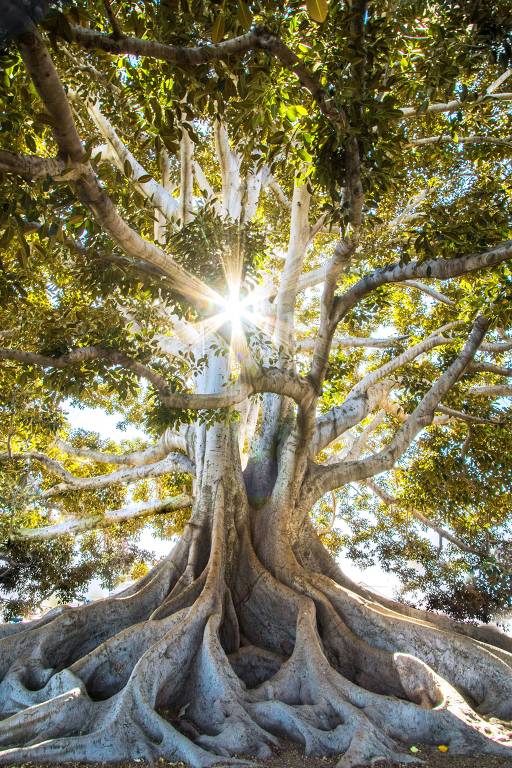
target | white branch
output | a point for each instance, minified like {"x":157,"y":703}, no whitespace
{"x":347,"y":342}
{"x":429,"y":291}
{"x":361,"y":441}
{"x":491,"y":390}
{"x":124,"y":160}
{"x":186,"y":178}
{"x":175,"y":462}
{"x":279,"y":193}
{"x":341,"y":418}
{"x":434,"y":340}
{"x":111,"y":517}
{"x":229,"y":163}
{"x":454,"y":105}
{"x":325,"y":478}
{"x":297,"y":244}
{"x":168,"y":442}
{"x":253,"y":184}
{"x":446,"y":138}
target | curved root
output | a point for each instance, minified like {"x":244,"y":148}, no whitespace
{"x":188,"y":667}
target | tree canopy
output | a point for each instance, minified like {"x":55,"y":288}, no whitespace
{"x":390,"y":124}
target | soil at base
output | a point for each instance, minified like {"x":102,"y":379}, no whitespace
{"x":291,"y":756}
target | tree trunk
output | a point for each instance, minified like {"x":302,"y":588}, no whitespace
{"x":245,"y":633}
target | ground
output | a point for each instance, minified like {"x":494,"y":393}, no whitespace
{"x":291,"y":756}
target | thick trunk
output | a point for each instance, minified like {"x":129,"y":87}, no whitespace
{"x":239,"y":638}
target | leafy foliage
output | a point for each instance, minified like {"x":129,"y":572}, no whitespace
{"x":65,"y":284}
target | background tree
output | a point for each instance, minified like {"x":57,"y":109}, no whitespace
{"x":277,"y":241}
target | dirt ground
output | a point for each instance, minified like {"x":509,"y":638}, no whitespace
{"x":290,"y":756}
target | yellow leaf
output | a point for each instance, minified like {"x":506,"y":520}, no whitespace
{"x":318,"y":9}
{"x":244,"y":15}
{"x":443,"y":748}
{"x":218,"y":28}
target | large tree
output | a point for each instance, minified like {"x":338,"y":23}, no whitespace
{"x":275,"y":236}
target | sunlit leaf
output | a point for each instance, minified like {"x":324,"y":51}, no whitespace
{"x":318,"y":9}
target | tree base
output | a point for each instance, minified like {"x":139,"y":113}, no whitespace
{"x":203,"y":669}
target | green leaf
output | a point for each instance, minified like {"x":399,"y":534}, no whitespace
{"x":127,"y":169}
{"x":30,"y":142}
{"x":318,"y":10}
{"x":218,"y":28}
{"x":244,"y":16}
{"x":145,"y":177}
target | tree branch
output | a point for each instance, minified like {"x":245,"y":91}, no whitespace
{"x":174,"y":462}
{"x":91,"y":39}
{"x":446,"y":138}
{"x":123,"y":159}
{"x":46,"y":80}
{"x":341,"y":418}
{"x":168,"y":442}
{"x":326,"y":478}
{"x":453,"y":106}
{"x":440,"y":297}
{"x":346,"y":342}
{"x":467,"y":417}
{"x":491,"y":390}
{"x":86,"y":354}
{"x":116,"y":29}
{"x":186,"y":178}
{"x":441,"y":269}
{"x":34,"y":167}
{"x":257,"y":380}
{"x":499,"y":370}
{"x":297,"y":244}
{"x":391,"y":501}
{"x":51,"y":465}
{"x":111,"y":517}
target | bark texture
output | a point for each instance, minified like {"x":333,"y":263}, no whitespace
{"x":238,"y":638}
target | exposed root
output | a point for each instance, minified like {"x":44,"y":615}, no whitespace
{"x":202,"y":668}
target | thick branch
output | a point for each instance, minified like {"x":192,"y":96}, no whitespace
{"x":91,"y":39}
{"x":32,"y":166}
{"x":441,"y":269}
{"x":297,"y":244}
{"x":258,"y":380}
{"x":46,"y":80}
{"x":491,"y":390}
{"x":124,"y":160}
{"x":168,"y":442}
{"x":341,"y":418}
{"x":111,"y":517}
{"x":174,"y":462}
